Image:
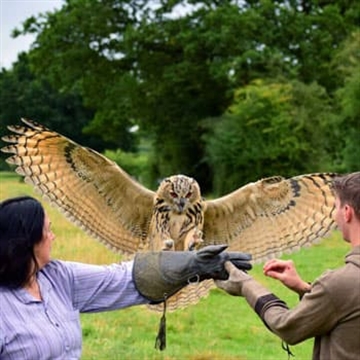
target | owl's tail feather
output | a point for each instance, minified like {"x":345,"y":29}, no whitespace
{"x":189,"y":295}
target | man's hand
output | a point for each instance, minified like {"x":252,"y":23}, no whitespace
{"x":233,"y":285}
{"x":285,"y":271}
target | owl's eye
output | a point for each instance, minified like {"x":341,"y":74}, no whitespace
{"x":188,"y":194}
{"x":173,"y":195}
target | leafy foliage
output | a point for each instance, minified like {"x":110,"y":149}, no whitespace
{"x":167,"y":66}
{"x":347,"y":62}
{"x":278,"y":128}
{"x":24,"y":94}
{"x":132,"y":163}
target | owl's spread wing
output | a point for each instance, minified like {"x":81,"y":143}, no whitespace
{"x":189,"y":295}
{"x":272,"y":216}
{"x":92,"y":191}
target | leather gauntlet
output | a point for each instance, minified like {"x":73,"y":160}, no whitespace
{"x":158,"y":275}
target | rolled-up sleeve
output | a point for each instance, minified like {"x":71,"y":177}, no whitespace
{"x":314,"y":315}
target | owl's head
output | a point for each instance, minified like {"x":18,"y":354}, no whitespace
{"x":179,"y":192}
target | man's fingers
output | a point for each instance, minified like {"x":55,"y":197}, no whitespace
{"x":220,"y":283}
{"x":229,"y":267}
{"x":275,"y":265}
{"x":274,"y":275}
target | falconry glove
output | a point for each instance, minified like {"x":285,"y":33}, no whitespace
{"x":158,"y":275}
{"x":234,"y":284}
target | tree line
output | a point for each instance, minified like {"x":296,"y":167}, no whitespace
{"x":225,"y":91}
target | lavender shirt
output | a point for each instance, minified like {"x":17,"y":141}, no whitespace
{"x":50,"y":329}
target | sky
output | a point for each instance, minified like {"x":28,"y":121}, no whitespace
{"x":12,"y":14}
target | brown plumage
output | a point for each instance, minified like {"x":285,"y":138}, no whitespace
{"x":264,"y":218}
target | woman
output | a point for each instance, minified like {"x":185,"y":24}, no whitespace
{"x":40,"y":298}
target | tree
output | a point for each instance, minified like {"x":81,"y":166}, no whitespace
{"x":136,"y":63}
{"x":25,"y":95}
{"x":347,"y":62}
{"x":271,"y":128}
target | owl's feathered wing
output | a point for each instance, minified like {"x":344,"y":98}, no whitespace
{"x":265,"y":218}
{"x":92,"y":191}
{"x":272,"y":216}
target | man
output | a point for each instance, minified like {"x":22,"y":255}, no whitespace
{"x":329,"y":309}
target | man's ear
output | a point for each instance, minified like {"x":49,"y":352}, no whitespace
{"x":348,"y":212}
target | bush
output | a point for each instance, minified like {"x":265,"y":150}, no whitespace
{"x":135,"y":164}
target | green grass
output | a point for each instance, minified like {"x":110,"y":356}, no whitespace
{"x":218,"y":327}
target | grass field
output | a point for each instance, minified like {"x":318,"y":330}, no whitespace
{"x":218,"y":327}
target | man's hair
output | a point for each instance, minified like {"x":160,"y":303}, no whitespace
{"x":347,"y":189}
{"x":21,"y":227}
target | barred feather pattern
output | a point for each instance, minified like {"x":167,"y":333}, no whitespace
{"x":275,"y":215}
{"x":191,"y":294}
{"x":265,"y":218}
{"x":167,"y":224}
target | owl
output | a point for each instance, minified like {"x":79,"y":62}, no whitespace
{"x":265,"y":218}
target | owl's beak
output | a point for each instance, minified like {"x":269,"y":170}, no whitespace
{"x":181,"y":204}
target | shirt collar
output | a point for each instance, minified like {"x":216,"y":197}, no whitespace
{"x":45,"y":287}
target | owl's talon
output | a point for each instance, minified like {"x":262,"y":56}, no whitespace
{"x":168,"y":245}
{"x":195,"y":243}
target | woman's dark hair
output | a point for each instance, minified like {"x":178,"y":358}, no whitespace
{"x":21,"y":227}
